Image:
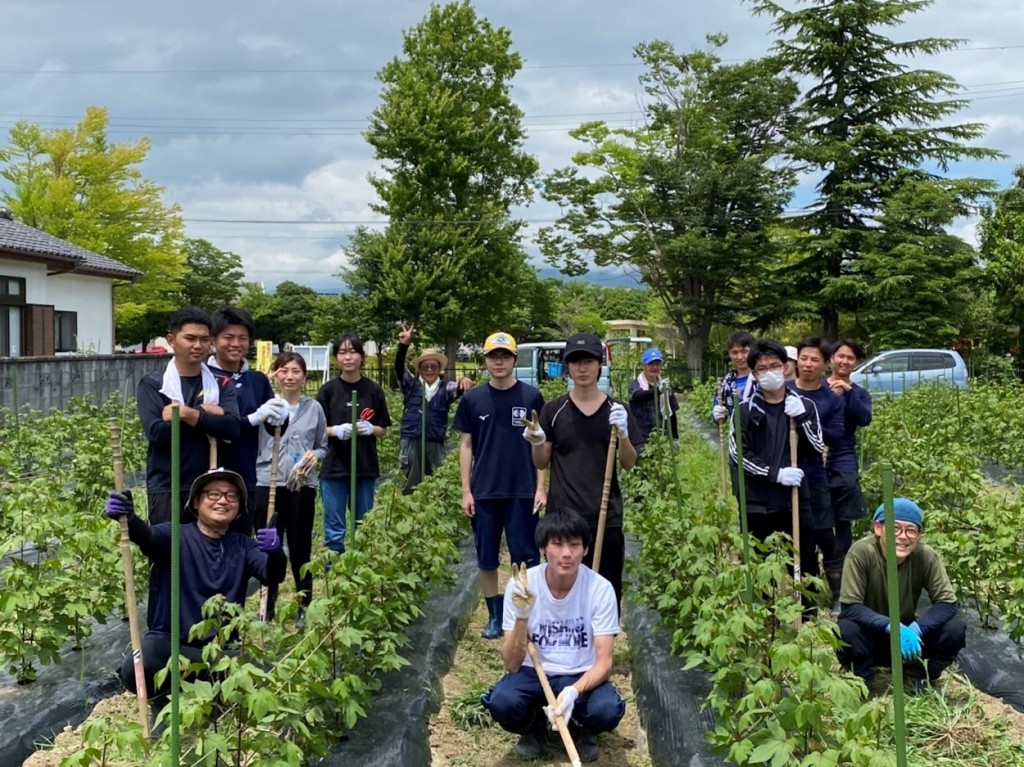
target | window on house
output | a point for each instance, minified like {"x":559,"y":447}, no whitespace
{"x":12,"y":299}
{"x":65,"y":331}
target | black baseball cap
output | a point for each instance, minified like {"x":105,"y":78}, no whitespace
{"x":583,"y":345}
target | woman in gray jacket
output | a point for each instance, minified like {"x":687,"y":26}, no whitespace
{"x":303,"y":446}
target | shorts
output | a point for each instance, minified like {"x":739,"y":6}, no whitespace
{"x":513,"y":515}
{"x":847,"y":499}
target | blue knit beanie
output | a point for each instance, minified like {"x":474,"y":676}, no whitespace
{"x":905,"y":510}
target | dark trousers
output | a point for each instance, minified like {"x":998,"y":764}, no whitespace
{"x":156,"y":651}
{"x":296,"y":513}
{"x":613,"y":558}
{"x":867,"y":649}
{"x":516,"y":701}
{"x":409,"y":457}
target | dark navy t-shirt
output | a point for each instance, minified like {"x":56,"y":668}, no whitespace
{"x":502,"y":459}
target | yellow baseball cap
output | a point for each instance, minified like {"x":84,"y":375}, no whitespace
{"x":500,"y":340}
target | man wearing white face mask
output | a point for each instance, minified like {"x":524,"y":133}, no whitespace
{"x":764,"y":419}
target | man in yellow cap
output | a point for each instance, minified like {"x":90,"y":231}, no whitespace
{"x":424,"y":389}
{"x":501,"y":489}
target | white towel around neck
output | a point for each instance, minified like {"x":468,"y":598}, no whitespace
{"x":171,"y":387}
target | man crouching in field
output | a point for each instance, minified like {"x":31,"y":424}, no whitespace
{"x":571,"y":615}
{"x":214,"y":560}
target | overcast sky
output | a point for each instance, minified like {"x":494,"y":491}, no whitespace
{"x":255,"y":109}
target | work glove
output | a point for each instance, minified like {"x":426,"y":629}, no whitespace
{"x":563,"y":706}
{"x":790,"y":476}
{"x":120,"y":505}
{"x":664,"y":385}
{"x":916,"y":629}
{"x":522,"y":599}
{"x":364,"y":428}
{"x":344,"y":431}
{"x":274,"y":411}
{"x":910,"y":643}
{"x":267,"y":540}
{"x":533,"y":433}
{"x":794,"y":406}
{"x":719,"y":413}
{"x":619,"y":420}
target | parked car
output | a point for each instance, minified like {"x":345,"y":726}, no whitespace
{"x":542,"y":361}
{"x":894,"y":371}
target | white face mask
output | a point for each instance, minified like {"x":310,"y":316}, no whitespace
{"x":772,"y":381}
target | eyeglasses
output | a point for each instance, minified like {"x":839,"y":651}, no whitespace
{"x":778,"y":366}
{"x":216,"y":495}
{"x":910,"y":533}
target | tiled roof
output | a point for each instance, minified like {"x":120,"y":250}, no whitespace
{"x":17,"y":238}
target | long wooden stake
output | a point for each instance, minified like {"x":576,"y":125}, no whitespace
{"x":271,"y":503}
{"x":796,"y":510}
{"x":602,"y":519}
{"x":130,"y":603}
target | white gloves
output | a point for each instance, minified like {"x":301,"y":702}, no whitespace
{"x":720,"y":413}
{"x":664,"y":385}
{"x":563,"y":705}
{"x":619,"y":420}
{"x":364,"y":428}
{"x":790,"y":476}
{"x":533,"y":433}
{"x":522,"y":599}
{"x":794,"y":406}
{"x":274,"y":411}
{"x":344,"y":431}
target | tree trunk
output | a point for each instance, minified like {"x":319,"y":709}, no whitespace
{"x":830,"y":322}
{"x":695,"y":343}
{"x":451,"y":348}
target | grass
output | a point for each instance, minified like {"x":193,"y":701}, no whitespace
{"x":467,"y":712}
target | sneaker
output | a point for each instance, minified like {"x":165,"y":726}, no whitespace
{"x":493,"y":630}
{"x":531,"y":743}
{"x":300,"y":622}
{"x":586,"y":746}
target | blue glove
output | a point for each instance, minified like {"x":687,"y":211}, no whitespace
{"x":120,"y":505}
{"x":910,"y":644}
{"x":267,"y":540}
{"x":916,"y":629}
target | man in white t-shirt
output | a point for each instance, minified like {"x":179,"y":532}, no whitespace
{"x":571,"y":615}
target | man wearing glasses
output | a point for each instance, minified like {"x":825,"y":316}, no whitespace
{"x":936,"y":637}
{"x":214,"y":560}
{"x":764,"y":418}
{"x":423,"y":389}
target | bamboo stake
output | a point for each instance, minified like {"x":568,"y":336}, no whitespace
{"x":796,"y":512}
{"x":271,"y":503}
{"x":602,"y":519}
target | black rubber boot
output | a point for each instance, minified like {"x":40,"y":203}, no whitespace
{"x":834,"y":576}
{"x":494,"y":605}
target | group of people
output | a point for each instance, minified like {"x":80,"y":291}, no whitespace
{"x":517,"y":455}
{"x":782,"y":391}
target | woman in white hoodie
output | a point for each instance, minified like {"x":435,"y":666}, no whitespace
{"x":303,"y":446}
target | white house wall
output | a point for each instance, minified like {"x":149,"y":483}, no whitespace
{"x":90,"y":297}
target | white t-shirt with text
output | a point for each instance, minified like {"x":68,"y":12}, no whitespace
{"x":563,"y":630}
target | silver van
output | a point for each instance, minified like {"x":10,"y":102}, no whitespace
{"x":895,"y":371}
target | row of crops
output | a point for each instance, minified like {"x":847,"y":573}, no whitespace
{"x":777,"y":693}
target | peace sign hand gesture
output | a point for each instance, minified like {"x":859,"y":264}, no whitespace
{"x":405,"y":334}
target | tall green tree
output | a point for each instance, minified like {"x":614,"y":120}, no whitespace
{"x":288,"y":315}
{"x":867,"y":119}
{"x":1001,"y":232}
{"x":688,"y":198}
{"x":75,"y":184}
{"x":213,"y":277}
{"x":450,"y":140}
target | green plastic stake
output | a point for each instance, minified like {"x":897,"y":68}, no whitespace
{"x":423,"y":430}
{"x":175,"y":583}
{"x":741,"y":487}
{"x":892,"y":578}
{"x":350,"y":524}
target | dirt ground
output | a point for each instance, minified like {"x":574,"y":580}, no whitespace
{"x":462,"y":734}
{"x":70,"y":740}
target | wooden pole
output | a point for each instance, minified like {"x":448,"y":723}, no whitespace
{"x":130,"y":602}
{"x":271,"y":503}
{"x":602,"y":519}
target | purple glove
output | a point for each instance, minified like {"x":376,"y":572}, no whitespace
{"x":267,"y":539}
{"x":120,"y":505}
